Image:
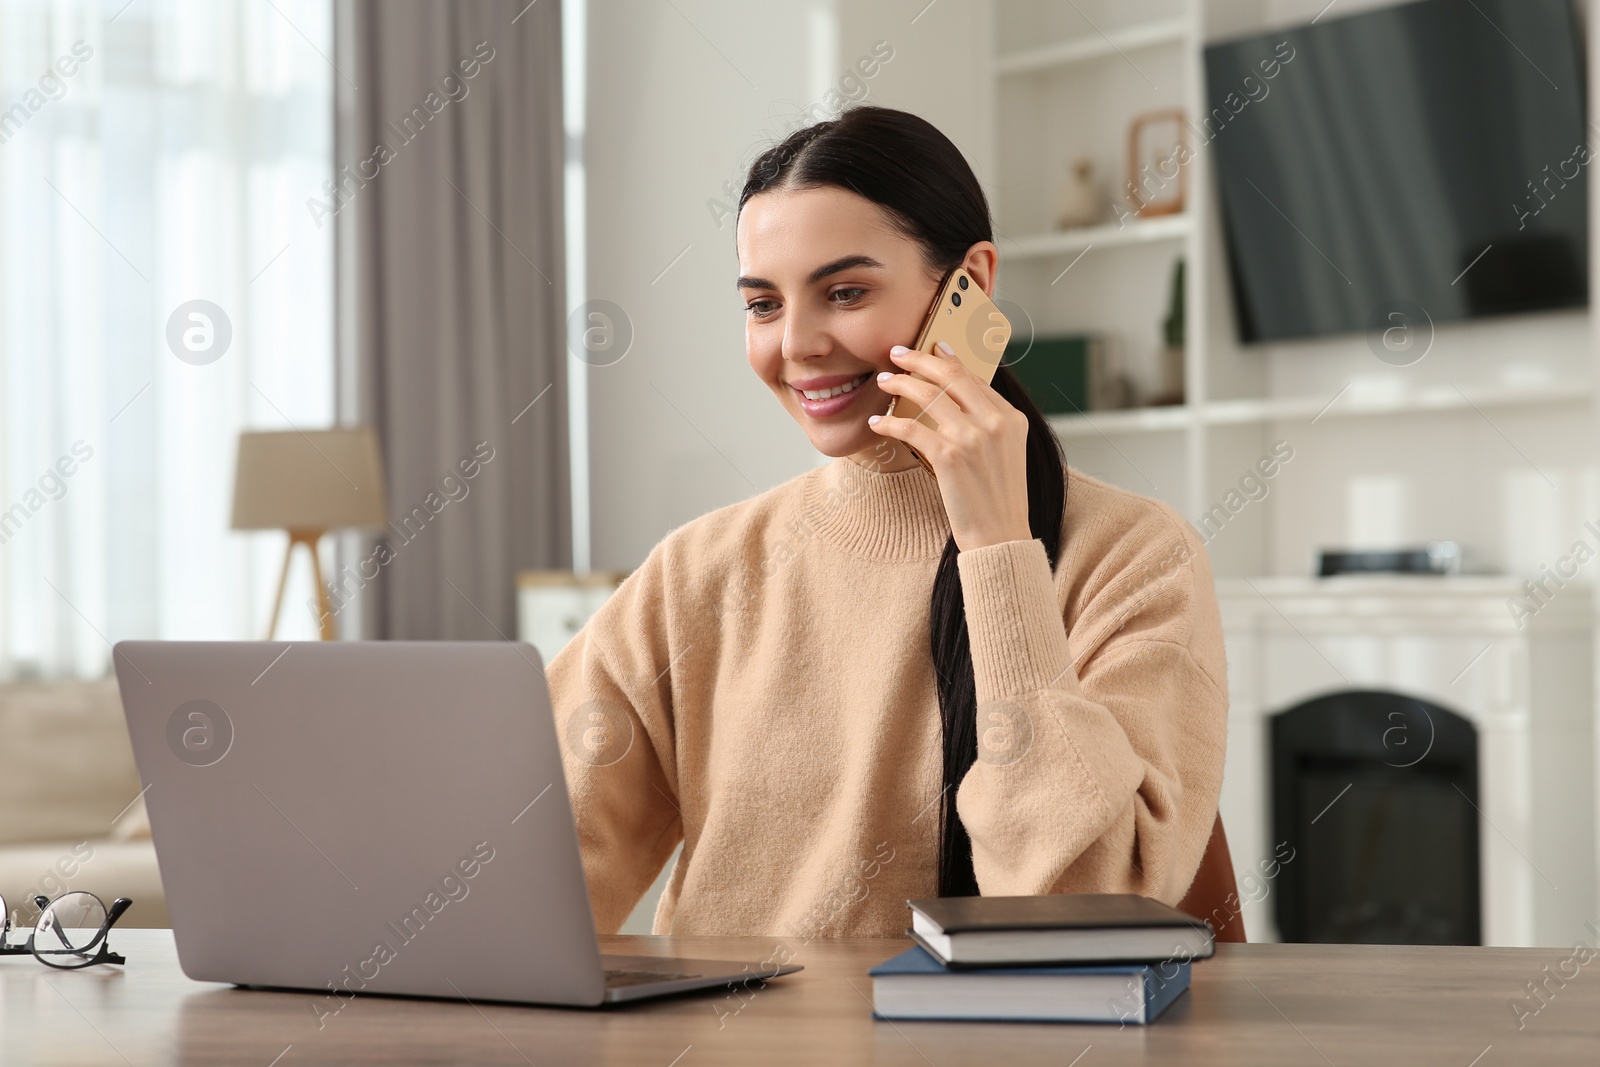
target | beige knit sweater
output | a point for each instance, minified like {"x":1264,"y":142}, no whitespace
{"x":761,"y":689}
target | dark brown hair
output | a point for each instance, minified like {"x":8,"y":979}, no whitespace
{"x":922,"y":182}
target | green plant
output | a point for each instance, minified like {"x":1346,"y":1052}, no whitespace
{"x":1172,"y":328}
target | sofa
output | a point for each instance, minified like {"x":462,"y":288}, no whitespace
{"x":69,"y":817}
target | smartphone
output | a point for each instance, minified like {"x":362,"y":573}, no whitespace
{"x":963,"y":316}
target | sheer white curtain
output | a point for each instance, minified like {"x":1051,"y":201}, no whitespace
{"x":153,"y":153}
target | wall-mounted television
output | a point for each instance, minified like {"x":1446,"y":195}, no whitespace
{"x":1430,"y":153}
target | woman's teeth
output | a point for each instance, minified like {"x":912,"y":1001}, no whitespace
{"x":838,"y":390}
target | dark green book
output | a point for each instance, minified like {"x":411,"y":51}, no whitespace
{"x":1054,"y":371}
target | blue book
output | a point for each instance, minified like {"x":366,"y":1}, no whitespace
{"x":914,"y":985}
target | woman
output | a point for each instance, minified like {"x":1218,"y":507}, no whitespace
{"x":871,"y":684}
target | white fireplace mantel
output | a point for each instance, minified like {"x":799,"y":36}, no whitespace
{"x":1526,"y":684}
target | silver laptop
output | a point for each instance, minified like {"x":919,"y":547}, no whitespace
{"x":374,"y":817}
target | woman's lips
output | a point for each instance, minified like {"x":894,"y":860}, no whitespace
{"x":833,"y":405}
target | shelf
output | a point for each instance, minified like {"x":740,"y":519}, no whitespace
{"x":1111,"y":235}
{"x":1122,"y":420}
{"x":1349,"y":405}
{"x":1354,"y":402}
{"x":1092,"y":46}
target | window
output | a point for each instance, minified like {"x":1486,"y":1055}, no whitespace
{"x":154,"y":153}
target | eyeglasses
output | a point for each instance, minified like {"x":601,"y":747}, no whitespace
{"x":71,"y":932}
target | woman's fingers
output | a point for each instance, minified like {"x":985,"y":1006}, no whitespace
{"x":910,"y":431}
{"x":927,"y":396}
{"x":949,"y":374}
{"x":978,"y":451}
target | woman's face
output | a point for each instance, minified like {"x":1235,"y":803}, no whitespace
{"x":831,"y":286}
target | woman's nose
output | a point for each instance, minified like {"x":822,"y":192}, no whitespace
{"x":804,"y":337}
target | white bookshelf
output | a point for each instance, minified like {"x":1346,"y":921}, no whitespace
{"x":1497,"y":406}
{"x":1068,"y":80}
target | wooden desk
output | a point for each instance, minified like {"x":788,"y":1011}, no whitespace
{"x":1277,"y":1004}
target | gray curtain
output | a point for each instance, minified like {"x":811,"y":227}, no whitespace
{"x":451,"y":323}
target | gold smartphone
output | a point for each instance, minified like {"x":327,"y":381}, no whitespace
{"x":963,"y":316}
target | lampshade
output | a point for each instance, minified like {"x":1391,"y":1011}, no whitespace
{"x":310,"y":480}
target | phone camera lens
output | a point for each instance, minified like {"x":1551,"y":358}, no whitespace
{"x":955,"y":298}
{"x":961,"y":280}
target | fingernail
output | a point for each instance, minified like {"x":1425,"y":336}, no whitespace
{"x":945,"y":349}
{"x":884,"y":376}
{"x":899,"y":350}
{"x":872,"y":420}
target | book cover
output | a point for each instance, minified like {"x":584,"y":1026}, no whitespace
{"x":915,"y":985}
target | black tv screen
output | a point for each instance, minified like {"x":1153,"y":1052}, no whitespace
{"x":1431,"y":153}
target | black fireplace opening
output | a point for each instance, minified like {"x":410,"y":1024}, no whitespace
{"x":1378,"y":795}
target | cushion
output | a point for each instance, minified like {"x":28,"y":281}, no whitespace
{"x":108,"y":869}
{"x":68,"y":765}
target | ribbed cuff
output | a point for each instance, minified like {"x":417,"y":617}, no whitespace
{"x":1019,"y":641}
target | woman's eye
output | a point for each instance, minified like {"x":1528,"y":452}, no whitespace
{"x":846,"y":296}
{"x":761,"y":308}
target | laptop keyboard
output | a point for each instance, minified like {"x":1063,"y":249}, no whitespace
{"x":625,"y":978}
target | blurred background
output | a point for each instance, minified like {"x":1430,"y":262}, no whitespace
{"x":339,"y":319}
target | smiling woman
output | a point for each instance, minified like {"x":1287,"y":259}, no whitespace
{"x":960,"y":665}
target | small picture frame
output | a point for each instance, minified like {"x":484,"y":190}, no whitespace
{"x":1158,"y":151}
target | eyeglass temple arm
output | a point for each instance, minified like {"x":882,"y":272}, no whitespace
{"x":118,"y":906}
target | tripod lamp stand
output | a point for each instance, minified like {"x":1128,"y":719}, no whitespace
{"x":308,"y":483}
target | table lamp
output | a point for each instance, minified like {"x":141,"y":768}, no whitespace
{"x":308,"y":482}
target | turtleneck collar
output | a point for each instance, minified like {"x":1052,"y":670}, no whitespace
{"x":892,"y":516}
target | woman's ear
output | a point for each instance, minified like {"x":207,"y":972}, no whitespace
{"x":983,"y":263}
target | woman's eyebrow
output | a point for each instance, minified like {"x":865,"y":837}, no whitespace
{"x":843,"y":263}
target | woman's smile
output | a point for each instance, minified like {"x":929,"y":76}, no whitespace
{"x":828,"y":396}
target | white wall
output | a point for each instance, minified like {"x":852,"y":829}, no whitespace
{"x":678,"y":105}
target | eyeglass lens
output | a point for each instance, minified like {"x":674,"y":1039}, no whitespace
{"x":67,"y":928}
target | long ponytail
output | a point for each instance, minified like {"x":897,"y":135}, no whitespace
{"x":952,"y":648}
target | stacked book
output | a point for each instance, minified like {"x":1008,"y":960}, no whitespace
{"x":1093,"y":957}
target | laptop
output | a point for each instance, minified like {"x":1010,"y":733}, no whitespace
{"x":374,"y":817}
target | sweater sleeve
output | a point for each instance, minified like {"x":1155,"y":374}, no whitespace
{"x":611,"y":692}
{"x":1100,"y":756}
